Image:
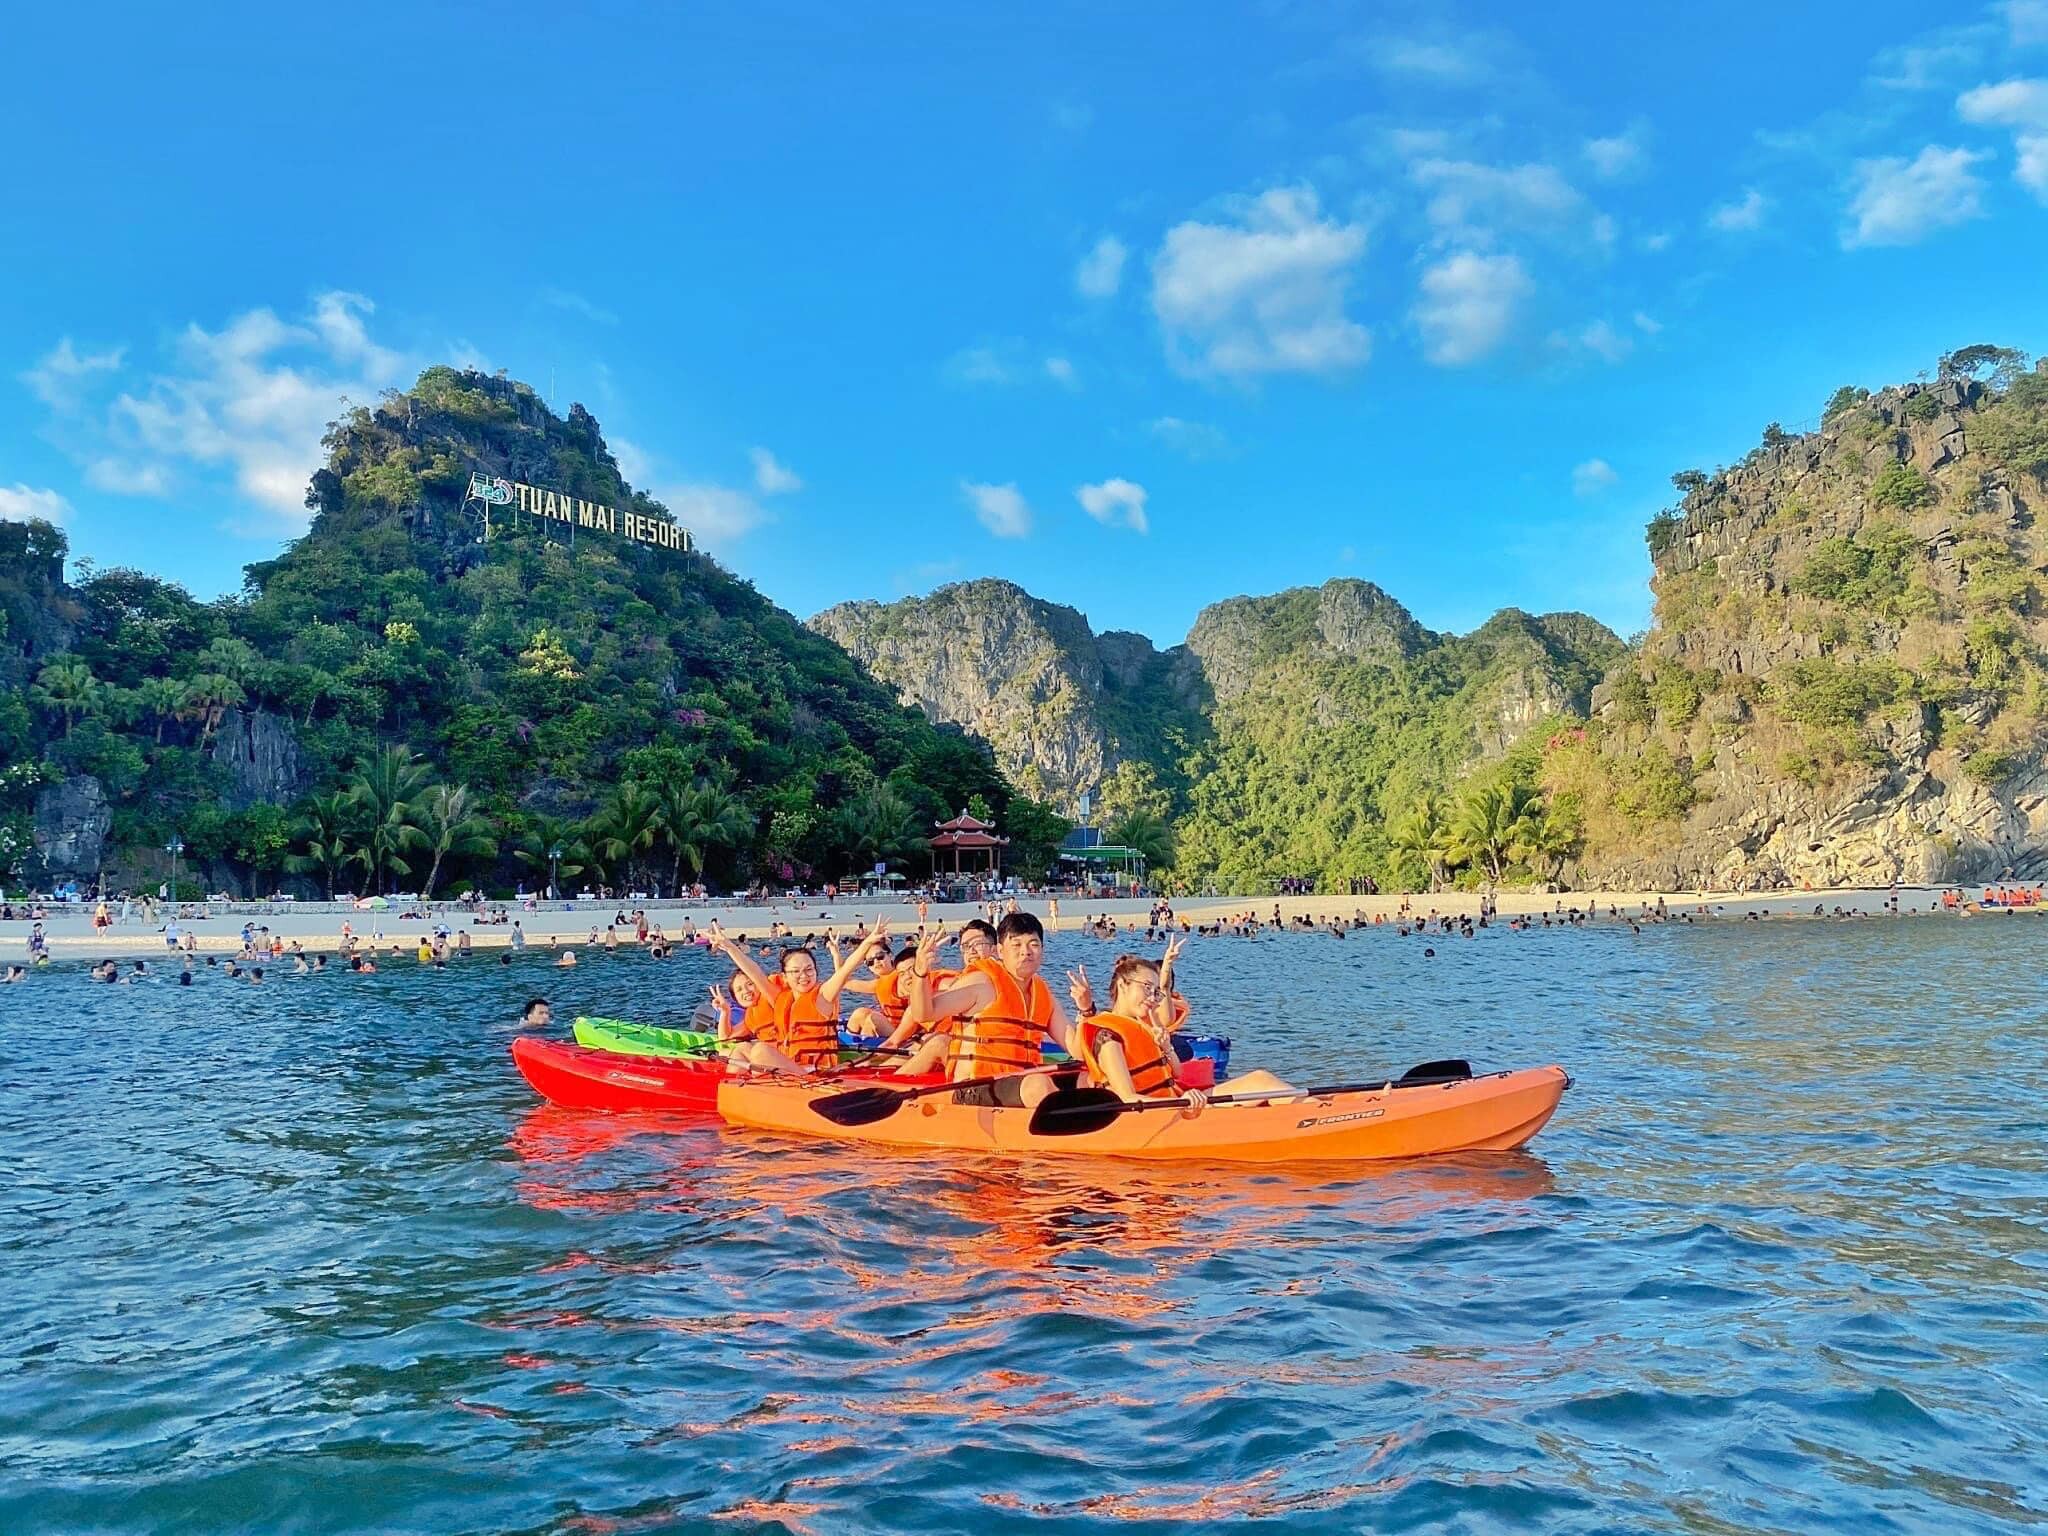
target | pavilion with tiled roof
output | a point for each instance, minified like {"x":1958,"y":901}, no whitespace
{"x":967,"y":840}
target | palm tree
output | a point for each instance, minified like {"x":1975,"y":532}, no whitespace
{"x":209,"y":696}
{"x":161,"y":698}
{"x":230,"y":657}
{"x":325,"y":832}
{"x":387,"y":793}
{"x":695,"y":818}
{"x":1558,"y":834}
{"x":877,"y":826}
{"x":68,"y":688}
{"x":555,"y":844}
{"x":626,"y":826}
{"x":1148,"y":835}
{"x":1492,"y":821}
{"x":1420,"y":837}
{"x":450,"y":824}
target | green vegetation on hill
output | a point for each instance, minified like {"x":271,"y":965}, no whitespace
{"x":464,"y":709}
{"x":1337,"y":766}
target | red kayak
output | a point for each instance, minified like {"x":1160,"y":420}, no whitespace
{"x":577,"y":1077}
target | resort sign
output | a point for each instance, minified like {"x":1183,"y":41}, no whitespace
{"x":573,"y":512}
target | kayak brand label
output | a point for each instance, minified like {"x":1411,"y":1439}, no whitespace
{"x":1360,"y":1114}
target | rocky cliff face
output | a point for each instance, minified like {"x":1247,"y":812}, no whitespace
{"x":1335,"y":691}
{"x":72,"y":819}
{"x":258,"y":754}
{"x":1057,"y":702}
{"x":1845,"y":680}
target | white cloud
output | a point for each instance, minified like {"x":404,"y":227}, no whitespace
{"x":772,"y":478}
{"x":634,"y":462}
{"x":1001,"y":508}
{"x":1657,"y":241}
{"x":977,"y":365}
{"x":1592,"y":477}
{"x":1645,"y":323}
{"x":252,"y":399}
{"x":2028,"y":21}
{"x":1466,"y":196}
{"x":1900,"y":202}
{"x":19,"y":503}
{"x":123,"y":478}
{"x":1060,"y":371}
{"x":1262,"y":293}
{"x":1114,"y":501}
{"x":60,"y":378}
{"x":1101,"y":272}
{"x":1744,"y":214}
{"x":1604,"y":341}
{"x":1445,"y":63}
{"x":1618,"y":155}
{"x":712,"y":512}
{"x":1467,"y":306}
{"x":1930,"y":62}
{"x":2021,"y":105}
{"x":577,"y":304}
{"x":1196,"y":439}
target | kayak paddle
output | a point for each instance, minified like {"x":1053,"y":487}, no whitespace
{"x":864,"y":1106}
{"x":1077,"y":1111}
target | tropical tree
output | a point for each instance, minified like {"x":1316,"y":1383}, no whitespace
{"x":324,"y":833}
{"x":877,"y":826}
{"x":625,"y":827}
{"x":159,"y":698}
{"x":1147,"y":834}
{"x":1494,"y":820}
{"x":448,"y":820}
{"x":387,"y":793}
{"x":67,"y":688}
{"x":208,"y":697}
{"x":695,"y":818}
{"x":554,"y":845}
{"x":231,"y":658}
{"x":1421,"y":840}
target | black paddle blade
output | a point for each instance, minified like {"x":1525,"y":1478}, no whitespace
{"x":861,"y":1106}
{"x":1451,"y":1070}
{"x":1075,"y":1112}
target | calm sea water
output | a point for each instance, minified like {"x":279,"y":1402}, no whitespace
{"x":307,"y":1258}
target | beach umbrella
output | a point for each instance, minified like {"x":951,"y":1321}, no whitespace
{"x":372,"y":903}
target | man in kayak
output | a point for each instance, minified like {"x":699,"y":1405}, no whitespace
{"x":977,"y":943}
{"x":1006,"y":1013}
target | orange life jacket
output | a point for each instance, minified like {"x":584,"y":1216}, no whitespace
{"x":1008,"y":1034}
{"x":804,"y":1032}
{"x":890,"y":1002}
{"x":759,"y":1021}
{"x":1151,"y":1069}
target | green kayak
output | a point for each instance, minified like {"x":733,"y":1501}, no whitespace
{"x":630,"y":1039}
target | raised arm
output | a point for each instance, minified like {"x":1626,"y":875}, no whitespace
{"x":742,"y":962}
{"x":829,"y":988}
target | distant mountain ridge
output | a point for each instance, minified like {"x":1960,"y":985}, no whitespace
{"x":1335,"y":691}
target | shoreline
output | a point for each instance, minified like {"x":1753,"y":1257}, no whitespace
{"x":70,"y":935}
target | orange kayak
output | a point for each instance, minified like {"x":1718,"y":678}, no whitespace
{"x":1495,"y":1112}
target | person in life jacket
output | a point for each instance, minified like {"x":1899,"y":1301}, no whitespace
{"x":1124,"y":1049}
{"x":1005,"y":1012}
{"x":977,"y":943}
{"x":803,"y":1034}
{"x":880,"y":1018}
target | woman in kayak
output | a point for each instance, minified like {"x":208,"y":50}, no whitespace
{"x":1123,"y":1048}
{"x":803,"y":1035}
{"x":881,"y":1019}
{"x":1006,"y":1013}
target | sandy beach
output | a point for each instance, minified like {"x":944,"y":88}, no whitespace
{"x":318,"y":927}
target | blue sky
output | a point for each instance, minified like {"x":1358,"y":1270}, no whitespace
{"x":1136,"y":309}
